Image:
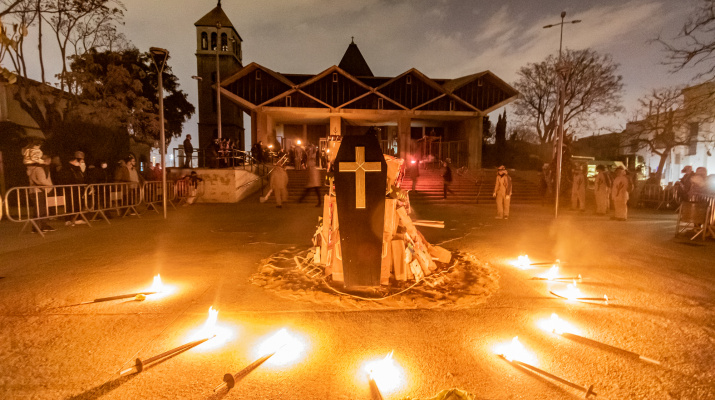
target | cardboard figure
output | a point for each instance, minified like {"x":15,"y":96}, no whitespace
{"x":360,"y":177}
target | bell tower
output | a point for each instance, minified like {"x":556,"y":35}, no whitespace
{"x":218,"y":56}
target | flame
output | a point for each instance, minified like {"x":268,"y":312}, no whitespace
{"x":160,"y":288}
{"x":219,"y":334}
{"x":386,"y":373}
{"x":572,"y":292}
{"x":552,"y":273}
{"x":522,"y":262}
{"x":515,"y":351}
{"x":157,"y":285}
{"x":557,"y":325}
{"x":288,"y":348}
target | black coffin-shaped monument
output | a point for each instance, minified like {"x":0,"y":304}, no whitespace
{"x":360,"y":181}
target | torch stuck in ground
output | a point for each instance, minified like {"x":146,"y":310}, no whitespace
{"x":156,"y":287}
{"x":140,"y":364}
{"x":229,"y":380}
{"x":374,"y":390}
{"x":515,"y":351}
{"x":588,"y":390}
{"x":560,"y":327}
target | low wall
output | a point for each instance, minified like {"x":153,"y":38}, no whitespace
{"x":221,"y":185}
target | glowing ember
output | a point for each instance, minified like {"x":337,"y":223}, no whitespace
{"x":288,"y":348}
{"x":515,"y":351}
{"x":552,"y":273}
{"x":572,"y":292}
{"x":211,"y":329}
{"x":522,"y":262}
{"x":557,"y":325}
{"x":386,"y":373}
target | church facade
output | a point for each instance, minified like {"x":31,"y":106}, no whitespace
{"x":409,"y":111}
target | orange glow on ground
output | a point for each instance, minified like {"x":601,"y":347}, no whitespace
{"x":162,"y":290}
{"x":557,"y":325}
{"x":523,"y":262}
{"x":387,"y":374}
{"x":289,"y":348}
{"x":515,"y":351}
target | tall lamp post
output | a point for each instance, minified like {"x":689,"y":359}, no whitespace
{"x":160,"y":56}
{"x":562,"y":69}
{"x":218,"y":79}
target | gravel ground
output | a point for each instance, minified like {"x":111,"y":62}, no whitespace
{"x":663,"y":309}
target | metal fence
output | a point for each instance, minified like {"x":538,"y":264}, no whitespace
{"x":123,"y":197}
{"x":187,"y":192}
{"x":32,"y":204}
{"x":153,"y":194}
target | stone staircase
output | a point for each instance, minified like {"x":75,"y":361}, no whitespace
{"x":468,"y":188}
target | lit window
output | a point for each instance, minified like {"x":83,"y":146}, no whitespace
{"x":213,"y":41}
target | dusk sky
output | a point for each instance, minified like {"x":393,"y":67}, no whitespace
{"x":441,"y":38}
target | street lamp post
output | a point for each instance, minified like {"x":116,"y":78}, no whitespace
{"x":218,"y":80}
{"x":160,"y":56}
{"x":562,"y":70}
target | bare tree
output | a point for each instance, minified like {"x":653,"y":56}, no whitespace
{"x":695,"y":44}
{"x":8,"y":6}
{"x":592,"y":88}
{"x":666,"y":121}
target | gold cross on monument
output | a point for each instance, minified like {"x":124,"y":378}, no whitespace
{"x":360,"y":167}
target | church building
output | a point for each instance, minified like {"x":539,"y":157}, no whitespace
{"x":415,"y":116}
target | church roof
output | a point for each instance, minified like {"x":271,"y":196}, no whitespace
{"x":214,"y":16}
{"x":354,"y":63}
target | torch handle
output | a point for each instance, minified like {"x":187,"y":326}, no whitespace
{"x":552,"y":376}
{"x":176,"y":350}
{"x":119,"y":297}
{"x":229,"y":380}
{"x":374,"y":390}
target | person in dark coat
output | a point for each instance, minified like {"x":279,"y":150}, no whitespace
{"x":447,"y":177}
{"x":188,"y":152}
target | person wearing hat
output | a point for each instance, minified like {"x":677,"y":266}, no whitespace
{"x":685,"y":182}
{"x":601,"y":189}
{"x":621,"y":187}
{"x":578,"y":190}
{"x":502,"y":192}
{"x":74,"y":174}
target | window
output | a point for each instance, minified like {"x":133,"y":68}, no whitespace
{"x":408,"y":79}
{"x":693,"y":139}
{"x":451,"y":105}
{"x":204,"y":41}
{"x":224,"y":42}
{"x":288,"y":102}
{"x":258,"y":74}
{"x":380,"y":103}
{"x":335,"y":77}
{"x":213,"y":41}
{"x":479,"y":82}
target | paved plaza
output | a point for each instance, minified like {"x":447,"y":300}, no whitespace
{"x":661,"y":290}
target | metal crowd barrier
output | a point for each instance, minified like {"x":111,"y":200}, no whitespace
{"x":153,"y":194}
{"x":30,"y":204}
{"x":652,"y":194}
{"x":186,"y":192}
{"x":709,"y":198}
{"x":122,"y":197}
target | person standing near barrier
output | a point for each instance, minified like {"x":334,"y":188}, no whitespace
{"x":74,"y":174}
{"x":578,"y":190}
{"x":502,"y":192}
{"x":188,"y":152}
{"x":621,"y":187}
{"x":39,"y":175}
{"x":129,"y":174}
{"x":601,"y":189}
